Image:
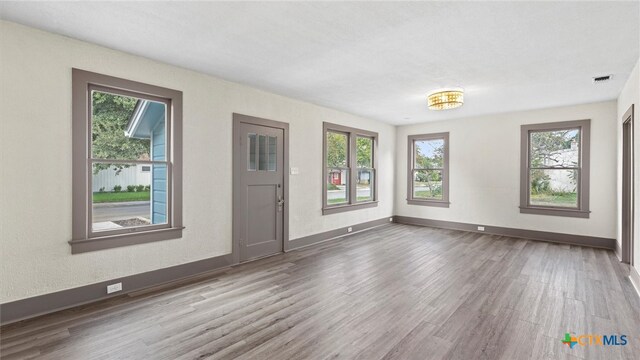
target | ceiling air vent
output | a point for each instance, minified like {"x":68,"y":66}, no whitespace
{"x":601,"y":79}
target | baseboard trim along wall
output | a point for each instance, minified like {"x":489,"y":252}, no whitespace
{"x":64,"y":299}
{"x":618,"y":251}
{"x":60,"y":300}
{"x":48,"y":303}
{"x":591,"y":241}
{"x":332,"y":234}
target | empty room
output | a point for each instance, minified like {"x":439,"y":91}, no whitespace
{"x":319,"y":180}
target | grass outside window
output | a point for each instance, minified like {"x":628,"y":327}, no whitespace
{"x":110,"y":197}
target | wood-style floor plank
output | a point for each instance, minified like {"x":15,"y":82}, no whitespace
{"x":394,"y":292}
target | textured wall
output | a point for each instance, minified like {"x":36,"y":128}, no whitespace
{"x":35,"y":137}
{"x":485,"y":170}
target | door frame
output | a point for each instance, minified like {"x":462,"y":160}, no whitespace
{"x":237,"y":163}
{"x":628,"y":202}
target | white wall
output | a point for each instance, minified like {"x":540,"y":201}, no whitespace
{"x":630,"y":94}
{"x":485,"y":170}
{"x":35,"y":138}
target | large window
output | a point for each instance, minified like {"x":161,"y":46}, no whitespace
{"x":555,"y":169}
{"x":349,"y":180}
{"x":126,"y":162}
{"x":428,"y":164}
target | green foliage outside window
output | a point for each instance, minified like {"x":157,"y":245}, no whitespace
{"x":111,"y":113}
{"x":336,"y":150}
{"x":429,"y":179}
{"x":364,"y":152}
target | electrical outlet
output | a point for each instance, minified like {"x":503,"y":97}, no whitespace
{"x":391,"y":219}
{"x":114,"y":288}
{"x":349,"y":229}
{"x":480,"y":228}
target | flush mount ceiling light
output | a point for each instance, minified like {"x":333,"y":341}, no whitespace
{"x":445,"y":99}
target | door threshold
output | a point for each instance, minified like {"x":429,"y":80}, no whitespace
{"x":260,"y":258}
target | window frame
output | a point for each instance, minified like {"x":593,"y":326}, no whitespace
{"x":84,"y":239}
{"x":352,"y":167}
{"x":411,"y":141}
{"x":582,"y":187}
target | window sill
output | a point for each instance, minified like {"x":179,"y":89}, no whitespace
{"x":435,"y":203}
{"x":555,"y":212}
{"x":349,"y":207}
{"x":114,"y":241}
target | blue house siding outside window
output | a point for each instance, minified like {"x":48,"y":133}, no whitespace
{"x":149,"y":122}
{"x":159,"y":175}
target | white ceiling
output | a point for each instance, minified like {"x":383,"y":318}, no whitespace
{"x":377,"y":60}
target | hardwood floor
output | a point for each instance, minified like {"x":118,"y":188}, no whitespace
{"x":394,"y":292}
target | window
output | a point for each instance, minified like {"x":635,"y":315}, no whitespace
{"x":349,"y":180}
{"x":554,"y":178}
{"x":127,"y":186}
{"x":262,"y":148}
{"x":365,"y":174}
{"x":428,"y":177}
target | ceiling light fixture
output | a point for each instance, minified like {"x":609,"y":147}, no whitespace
{"x":445,"y":99}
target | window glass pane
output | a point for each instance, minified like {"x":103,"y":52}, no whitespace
{"x":553,"y":187}
{"x":262,"y":152}
{"x":271,"y":166}
{"x":124,"y":196}
{"x":559,"y":148}
{"x":337,"y":186}
{"x":427,"y":184}
{"x":364,"y":185}
{"x":429,"y":154}
{"x":127,"y":128}
{"x":252,"y":152}
{"x":159,"y":194}
{"x":337,"y":144}
{"x":364,"y":152}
